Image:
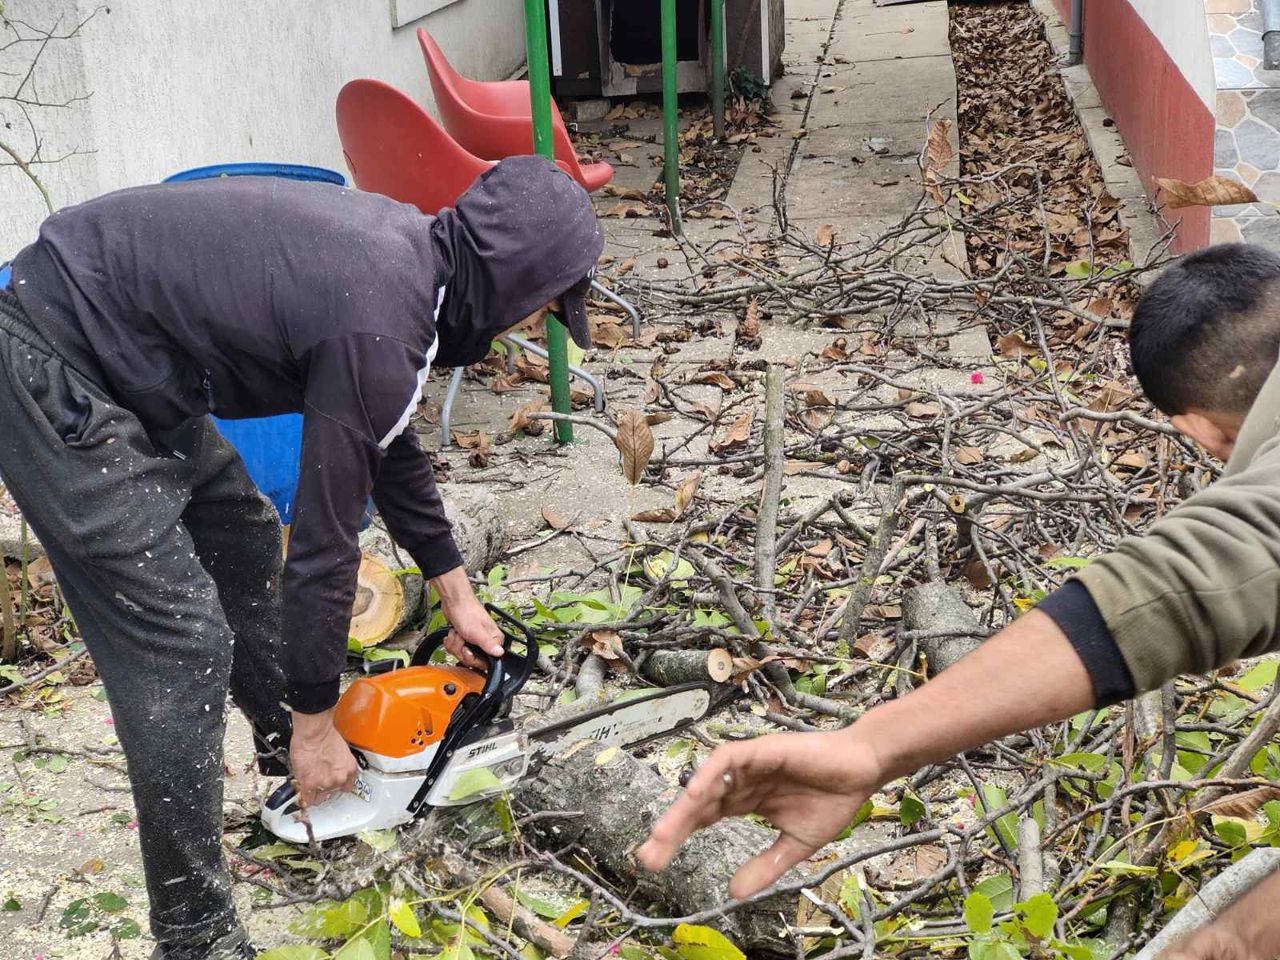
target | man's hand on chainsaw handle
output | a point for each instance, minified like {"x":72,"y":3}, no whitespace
{"x":810,"y":785}
{"x":470,"y":621}
{"x":321,"y":760}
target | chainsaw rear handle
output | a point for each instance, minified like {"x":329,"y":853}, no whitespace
{"x":510,"y":672}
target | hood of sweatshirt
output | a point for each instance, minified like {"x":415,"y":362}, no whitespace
{"x":522,"y":235}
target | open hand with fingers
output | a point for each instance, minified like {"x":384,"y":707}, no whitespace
{"x":808,"y":785}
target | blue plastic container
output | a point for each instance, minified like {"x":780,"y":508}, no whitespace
{"x":269,"y":446}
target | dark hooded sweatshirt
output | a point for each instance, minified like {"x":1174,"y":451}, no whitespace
{"x":249,"y":297}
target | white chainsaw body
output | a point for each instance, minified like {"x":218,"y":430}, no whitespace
{"x":385,"y":787}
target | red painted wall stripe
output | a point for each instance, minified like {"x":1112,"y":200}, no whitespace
{"x":1166,"y":126}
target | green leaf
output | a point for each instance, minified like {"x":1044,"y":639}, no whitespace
{"x":547,"y":903}
{"x":76,"y":912}
{"x":910,"y":810}
{"x":358,"y":949}
{"x":1078,"y":270}
{"x":496,"y":576}
{"x":978,"y":912}
{"x":379,"y":841}
{"x":1260,"y":676}
{"x":1272,"y":811}
{"x":110,"y":902}
{"x":1230,"y":831}
{"x":703,"y":943}
{"x":1006,"y":828}
{"x":11,"y":904}
{"x":1069,"y":563}
{"x":474,"y":783}
{"x":303,"y":952}
{"x":1039,"y":914}
{"x":575,"y":911}
{"x":403,"y":917}
{"x":999,"y":888}
{"x":127,"y":929}
{"x":342,"y":919}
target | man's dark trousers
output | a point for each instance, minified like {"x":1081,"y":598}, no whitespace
{"x":171,"y":568}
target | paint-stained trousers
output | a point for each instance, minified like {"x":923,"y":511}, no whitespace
{"x":171,"y":568}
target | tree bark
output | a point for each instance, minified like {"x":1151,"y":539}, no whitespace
{"x":669,"y":668}
{"x":935,"y":608}
{"x":620,"y":800}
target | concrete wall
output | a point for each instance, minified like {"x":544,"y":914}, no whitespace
{"x":181,"y":83}
{"x":1151,"y":63}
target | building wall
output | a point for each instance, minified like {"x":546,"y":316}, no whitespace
{"x":182,"y":83}
{"x":1151,"y":63}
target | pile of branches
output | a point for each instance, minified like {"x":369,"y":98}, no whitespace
{"x":1001,"y":483}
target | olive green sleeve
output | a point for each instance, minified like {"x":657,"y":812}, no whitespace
{"x":1202,"y":587}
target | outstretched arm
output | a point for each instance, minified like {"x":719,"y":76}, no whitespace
{"x":810,"y":785}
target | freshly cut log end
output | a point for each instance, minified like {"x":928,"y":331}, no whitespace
{"x":379,"y":607}
{"x":669,"y":668}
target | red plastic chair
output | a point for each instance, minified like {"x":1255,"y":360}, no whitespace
{"x":394,"y":147}
{"x":492,"y":120}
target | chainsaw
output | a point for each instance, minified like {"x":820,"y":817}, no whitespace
{"x":429,"y":735}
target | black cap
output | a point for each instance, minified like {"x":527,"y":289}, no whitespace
{"x":574,"y":309}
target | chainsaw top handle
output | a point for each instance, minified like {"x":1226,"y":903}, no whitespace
{"x":505,"y":676}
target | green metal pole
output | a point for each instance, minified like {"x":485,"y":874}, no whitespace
{"x":670,"y":114}
{"x":717,"y":67}
{"x":535,"y":32}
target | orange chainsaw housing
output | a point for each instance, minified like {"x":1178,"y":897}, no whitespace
{"x":400,"y":713}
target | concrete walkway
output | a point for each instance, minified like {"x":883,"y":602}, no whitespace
{"x":863,"y":84}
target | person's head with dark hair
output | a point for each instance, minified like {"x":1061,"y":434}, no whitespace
{"x":1205,"y":337}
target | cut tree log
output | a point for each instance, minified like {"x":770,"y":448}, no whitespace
{"x":669,"y":668}
{"x":933,"y":609}
{"x":621,"y":798}
{"x":387,"y":597}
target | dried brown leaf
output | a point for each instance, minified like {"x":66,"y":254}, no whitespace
{"x":737,"y":434}
{"x":660,"y":515}
{"x":1243,"y":805}
{"x":1210,"y":192}
{"x":792,"y":467}
{"x":554,"y":520}
{"x":826,"y":235}
{"x":626,"y":210}
{"x":750,"y":326}
{"x":1013,"y":345}
{"x":685,"y":493}
{"x":606,"y":644}
{"x":715,"y":379}
{"x":626,"y":266}
{"x":635,"y":443}
{"x":520,"y":420}
{"x":923,"y":410}
{"x":968,"y":455}
{"x":939,"y":153}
